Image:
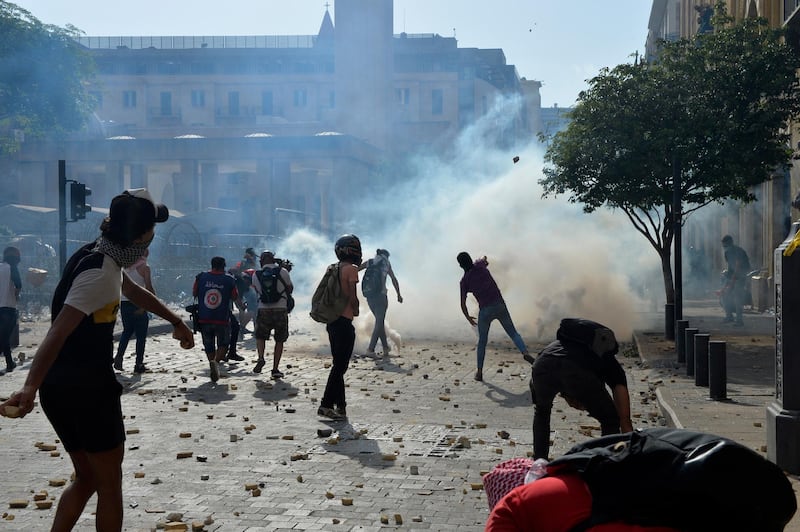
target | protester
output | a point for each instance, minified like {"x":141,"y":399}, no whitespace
{"x":272,"y":310}
{"x":72,"y":370}
{"x":341,"y":333}
{"x":135,"y":320}
{"x":377,"y":297}
{"x":553,"y":504}
{"x":215,"y":291}
{"x":478,"y":280}
{"x":568,"y":366}
{"x":245,"y":269}
{"x":10,"y":287}
{"x":734,"y":291}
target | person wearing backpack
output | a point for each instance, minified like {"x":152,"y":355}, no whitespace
{"x":341,"y":333}
{"x":273,"y":286}
{"x":478,"y":280}
{"x":373,"y":287}
{"x":579,"y":365}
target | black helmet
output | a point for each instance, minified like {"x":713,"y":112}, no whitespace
{"x":348,"y":248}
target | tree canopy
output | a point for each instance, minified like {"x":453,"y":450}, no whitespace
{"x":715,"y":108}
{"x":42,"y":77}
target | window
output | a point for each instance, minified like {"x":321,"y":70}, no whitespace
{"x":129,"y":99}
{"x":233,"y":103}
{"x":168,"y":68}
{"x":266,"y":103}
{"x":198,"y":98}
{"x":166,"y":104}
{"x":300,"y":98}
{"x":402,"y":96}
{"x":437,"y":101}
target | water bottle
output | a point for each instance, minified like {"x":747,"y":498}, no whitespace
{"x":537,"y":470}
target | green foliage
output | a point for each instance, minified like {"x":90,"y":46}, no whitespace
{"x":42,"y":75}
{"x":718,"y":105}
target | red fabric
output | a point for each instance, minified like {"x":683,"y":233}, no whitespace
{"x":552,"y":504}
{"x":504,"y":477}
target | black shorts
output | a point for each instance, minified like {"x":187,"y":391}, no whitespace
{"x":85,"y":419}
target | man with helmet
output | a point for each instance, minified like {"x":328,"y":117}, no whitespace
{"x":341,"y":333}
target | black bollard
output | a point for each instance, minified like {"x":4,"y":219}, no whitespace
{"x":689,"y":346}
{"x":680,"y":339}
{"x":717,"y":371}
{"x":669,"y":321}
{"x":701,"y":359}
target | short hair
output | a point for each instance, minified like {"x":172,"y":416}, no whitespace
{"x":727,"y":239}
{"x":384,"y":252}
{"x":218,"y":263}
{"x":11,"y":254}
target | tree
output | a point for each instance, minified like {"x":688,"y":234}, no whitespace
{"x":42,"y":74}
{"x":712,"y":110}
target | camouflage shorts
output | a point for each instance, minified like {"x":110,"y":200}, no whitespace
{"x":269,"y":320}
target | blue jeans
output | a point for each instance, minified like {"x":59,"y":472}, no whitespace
{"x":135,"y":321}
{"x":486,"y":316}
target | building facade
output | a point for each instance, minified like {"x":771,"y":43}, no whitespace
{"x":272,"y":127}
{"x":758,"y":227}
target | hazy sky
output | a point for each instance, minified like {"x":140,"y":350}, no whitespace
{"x":561,"y":43}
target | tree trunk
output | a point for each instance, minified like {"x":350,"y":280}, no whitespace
{"x":666,"y":271}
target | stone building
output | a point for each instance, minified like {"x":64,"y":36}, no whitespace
{"x":279,"y":130}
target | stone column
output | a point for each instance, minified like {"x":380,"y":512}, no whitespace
{"x":783,"y":415}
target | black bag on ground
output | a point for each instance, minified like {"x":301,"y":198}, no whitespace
{"x":692,"y":481}
{"x":598,"y":338}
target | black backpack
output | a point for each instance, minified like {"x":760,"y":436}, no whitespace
{"x":371,"y":283}
{"x":589,"y":334}
{"x":269,"y":278}
{"x":692,"y":481}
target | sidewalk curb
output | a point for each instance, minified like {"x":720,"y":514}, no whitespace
{"x":663,"y":395}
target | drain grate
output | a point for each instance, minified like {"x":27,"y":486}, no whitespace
{"x":444,"y":448}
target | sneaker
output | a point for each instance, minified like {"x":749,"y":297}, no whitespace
{"x":277,"y":374}
{"x":214,"y":370}
{"x":479,"y":375}
{"x":118,"y":364}
{"x":138,"y":368}
{"x":259,"y":365}
{"x":237,"y":358}
{"x":10,"y":365}
{"x":324,"y":411}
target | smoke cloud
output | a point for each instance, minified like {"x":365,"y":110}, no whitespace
{"x":549,"y":258}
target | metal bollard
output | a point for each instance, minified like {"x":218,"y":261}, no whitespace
{"x":689,"y":346}
{"x":669,"y":321}
{"x":680,"y":339}
{"x":701,"y":359}
{"x":717,"y":371}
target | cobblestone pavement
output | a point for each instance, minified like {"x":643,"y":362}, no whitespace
{"x":249,"y":453}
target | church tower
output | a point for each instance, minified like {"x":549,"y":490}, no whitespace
{"x":364,"y":66}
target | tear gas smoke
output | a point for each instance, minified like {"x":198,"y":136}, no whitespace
{"x":549,"y":258}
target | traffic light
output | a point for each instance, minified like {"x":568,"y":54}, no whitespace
{"x":77,"y":200}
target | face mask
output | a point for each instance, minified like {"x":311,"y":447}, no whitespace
{"x":123,"y":256}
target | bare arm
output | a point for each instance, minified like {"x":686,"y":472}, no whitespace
{"x":465,"y":311}
{"x":396,"y":284}
{"x":622,"y":402}
{"x":65,"y":323}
